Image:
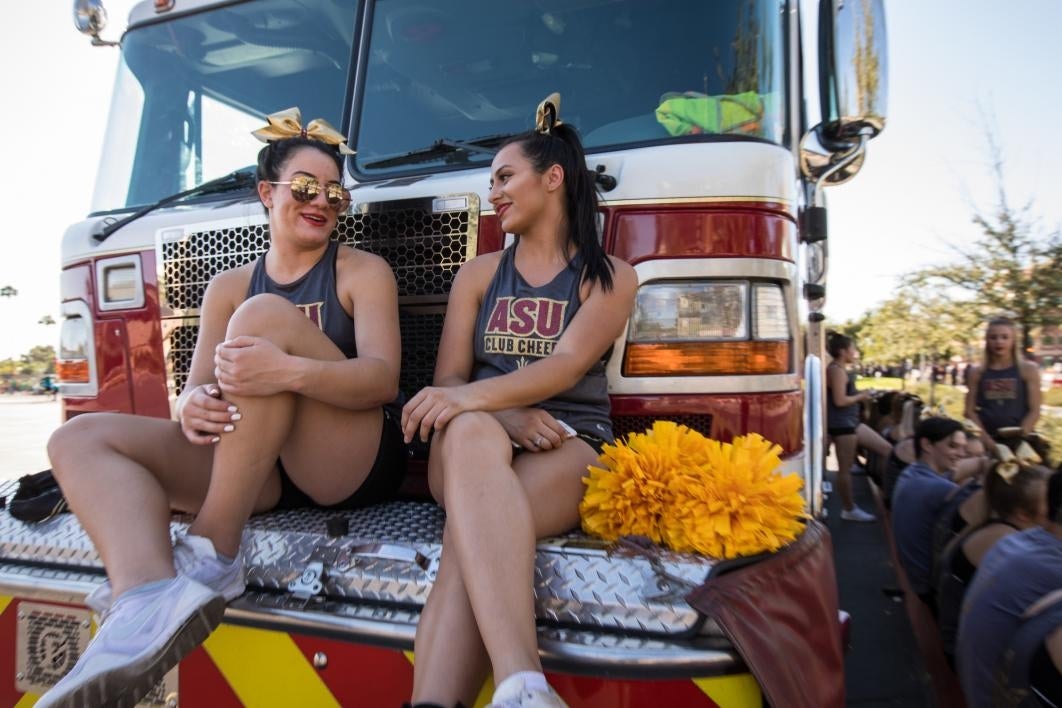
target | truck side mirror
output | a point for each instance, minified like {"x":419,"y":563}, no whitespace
{"x":853,"y":69}
{"x":853,"y":89}
{"x":90,"y":18}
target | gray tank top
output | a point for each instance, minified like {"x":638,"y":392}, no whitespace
{"x":315,"y":294}
{"x":518,"y":323}
{"x":848,"y":416}
{"x":1002,"y":400}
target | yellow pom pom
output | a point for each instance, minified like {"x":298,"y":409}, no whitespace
{"x":691,"y":493}
{"x":628,"y":495}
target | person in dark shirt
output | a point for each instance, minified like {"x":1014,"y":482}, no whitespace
{"x":1030,"y":675}
{"x":519,"y":409}
{"x":920,"y":494}
{"x":1017,"y":500}
{"x":1016,"y":573}
{"x":1003,"y":398}
{"x":843,"y":426}
{"x":296,"y":357}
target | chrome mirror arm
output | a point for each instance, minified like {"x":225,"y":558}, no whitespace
{"x":843,"y":161}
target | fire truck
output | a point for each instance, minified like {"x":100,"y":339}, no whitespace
{"x":711,"y":153}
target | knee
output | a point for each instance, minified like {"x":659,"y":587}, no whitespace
{"x":470,"y":425}
{"x":466,"y":431}
{"x":471,"y":433}
{"x":258,"y":315}
{"x":72,"y":440}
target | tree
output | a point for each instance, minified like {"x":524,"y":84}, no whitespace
{"x":8,"y":291}
{"x":46,"y":320}
{"x":40,"y":359}
{"x":1011,"y":268}
{"x":918,"y":323}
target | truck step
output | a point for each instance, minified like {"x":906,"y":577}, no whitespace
{"x":386,"y":563}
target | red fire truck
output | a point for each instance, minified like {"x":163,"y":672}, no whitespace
{"x":710,"y":153}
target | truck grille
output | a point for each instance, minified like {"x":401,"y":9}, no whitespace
{"x":425,"y":247}
{"x":623,"y":425}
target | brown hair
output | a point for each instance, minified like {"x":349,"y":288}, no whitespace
{"x":1021,"y":493}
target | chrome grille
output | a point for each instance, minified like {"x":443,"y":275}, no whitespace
{"x":424,"y":247}
{"x":420,"y":348}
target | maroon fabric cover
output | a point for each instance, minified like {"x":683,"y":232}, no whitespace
{"x":781,"y":615}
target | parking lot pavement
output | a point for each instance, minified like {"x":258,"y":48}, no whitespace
{"x":26,"y":422}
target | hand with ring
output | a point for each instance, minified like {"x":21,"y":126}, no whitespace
{"x":533,"y":429}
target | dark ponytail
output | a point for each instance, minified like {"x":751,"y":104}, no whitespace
{"x":561,"y":146}
{"x":837,"y":343}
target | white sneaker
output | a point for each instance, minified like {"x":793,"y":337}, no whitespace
{"x":195,"y":557}
{"x":857,"y":514}
{"x":146,"y":634}
{"x":517,"y":695}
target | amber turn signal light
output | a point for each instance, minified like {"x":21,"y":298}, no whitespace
{"x":706,"y":358}
{"x":72,"y":370}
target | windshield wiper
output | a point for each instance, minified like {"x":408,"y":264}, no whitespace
{"x":240,"y":179}
{"x":456,"y":150}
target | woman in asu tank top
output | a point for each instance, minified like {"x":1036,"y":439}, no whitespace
{"x":1004,"y":392}
{"x":519,"y":410}
{"x":296,"y":356}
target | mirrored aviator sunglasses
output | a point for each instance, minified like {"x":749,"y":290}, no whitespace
{"x":305,"y":189}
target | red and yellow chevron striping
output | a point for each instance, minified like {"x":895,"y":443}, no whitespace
{"x":261,"y":668}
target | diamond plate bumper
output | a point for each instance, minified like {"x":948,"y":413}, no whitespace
{"x":592,"y":599}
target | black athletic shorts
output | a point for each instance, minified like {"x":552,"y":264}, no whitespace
{"x":380,"y":485}
{"x":837,"y":432}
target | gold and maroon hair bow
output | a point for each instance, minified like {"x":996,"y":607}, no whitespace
{"x":930,"y":412}
{"x":288,"y":124}
{"x":1012,"y":462}
{"x":547,"y":117}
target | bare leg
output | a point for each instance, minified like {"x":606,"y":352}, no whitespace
{"x":120,"y":474}
{"x":447,"y":629}
{"x":496,"y":509}
{"x":329,"y":457}
{"x":869,"y":439}
{"x":845,"y":447}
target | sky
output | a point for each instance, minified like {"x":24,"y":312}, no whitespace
{"x":953,"y":64}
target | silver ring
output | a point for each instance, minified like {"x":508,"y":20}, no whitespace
{"x":538,"y":441}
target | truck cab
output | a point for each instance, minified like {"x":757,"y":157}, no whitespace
{"x":698,"y":126}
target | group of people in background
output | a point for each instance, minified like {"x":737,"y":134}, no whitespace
{"x":976,"y":515}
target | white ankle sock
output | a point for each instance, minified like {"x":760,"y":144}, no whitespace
{"x":228,"y":560}
{"x":511,"y":686}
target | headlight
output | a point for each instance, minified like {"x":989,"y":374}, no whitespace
{"x":708,"y":328}
{"x":119,"y":283}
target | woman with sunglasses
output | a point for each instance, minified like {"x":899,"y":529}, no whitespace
{"x":297,"y":355}
{"x":519,"y":410}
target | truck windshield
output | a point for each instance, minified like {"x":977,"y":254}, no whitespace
{"x":630,"y":72}
{"x":190,"y":90}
